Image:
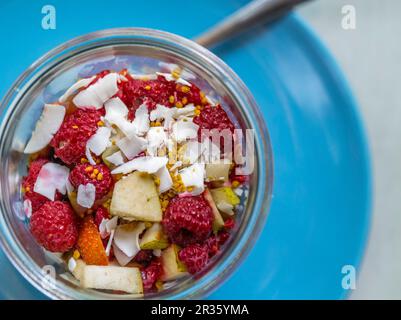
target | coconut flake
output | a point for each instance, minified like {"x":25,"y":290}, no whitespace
{"x":76,"y":86}
{"x":27,"y":208}
{"x":162,"y":113}
{"x":98,"y":93}
{"x":143,"y":76}
{"x":86,"y":195}
{"x":131,"y":146}
{"x":98,"y":143}
{"x":188,"y":110}
{"x":193,"y":151}
{"x":184,"y":129}
{"x":143,"y":164}
{"x":52,"y":177}
{"x":194,"y":176}
{"x":165,"y":179}
{"x":48,"y":124}
{"x":121,"y":257}
{"x":115,"y":110}
{"x":141,"y":121}
{"x":72,"y":264}
{"x":157,"y":138}
{"x":183,"y":82}
{"x":127,"y":238}
{"x":110,"y":242}
{"x":116,"y":158}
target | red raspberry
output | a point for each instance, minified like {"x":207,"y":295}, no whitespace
{"x":229,"y":223}
{"x":54,"y":226}
{"x":69,"y":142}
{"x":195,"y":257}
{"x":144,"y":257}
{"x":135,"y":92}
{"x":151,"y":274}
{"x":28,"y":184}
{"x":99,"y":175}
{"x":214,"y":242}
{"x":188,"y":220}
{"x":214,"y":117}
{"x":101,"y":213}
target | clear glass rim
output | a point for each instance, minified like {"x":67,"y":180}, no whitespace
{"x":246,"y":102}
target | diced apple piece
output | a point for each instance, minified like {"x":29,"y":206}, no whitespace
{"x":217,"y":171}
{"x":154,"y":238}
{"x":225,"y":194}
{"x":108,"y":152}
{"x":218,"y":221}
{"x":135,"y":197}
{"x":79,"y":269}
{"x":225,"y":199}
{"x":112,"y":278}
{"x":173,"y":268}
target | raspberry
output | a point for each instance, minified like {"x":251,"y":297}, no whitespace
{"x":134,"y":92}
{"x":101,"y":213}
{"x":214,"y":242}
{"x":151,"y":274}
{"x":229,"y":223}
{"x":144,"y":257}
{"x":195,"y":257}
{"x":90,"y":245}
{"x":28,"y":184}
{"x":54,"y":226}
{"x":214,"y":117}
{"x":188,"y":220}
{"x":99,"y":175}
{"x":69,"y":142}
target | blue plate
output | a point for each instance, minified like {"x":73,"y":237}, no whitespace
{"x":320,"y":212}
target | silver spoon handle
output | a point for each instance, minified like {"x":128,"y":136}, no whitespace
{"x":254,"y":13}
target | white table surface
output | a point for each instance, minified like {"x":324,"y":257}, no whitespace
{"x":370,"y":57}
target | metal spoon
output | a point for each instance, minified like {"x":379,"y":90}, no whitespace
{"x":251,"y":15}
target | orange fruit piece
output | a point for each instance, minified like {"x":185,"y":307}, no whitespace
{"x":90,"y":244}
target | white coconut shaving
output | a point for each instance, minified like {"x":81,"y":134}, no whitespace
{"x":188,"y":110}
{"x":157,"y":252}
{"x":143,"y":164}
{"x":162,"y":113}
{"x":116,"y":158}
{"x":165,"y":179}
{"x":144,"y":76}
{"x":193,"y":151}
{"x":116,"y":110}
{"x":52,"y":177}
{"x":110,"y":242}
{"x":48,"y":124}
{"x":72,"y":264}
{"x":27,"y":208}
{"x":121,"y":257}
{"x":131,"y":146}
{"x":86,"y":195}
{"x":184,"y":129}
{"x":127,"y":239}
{"x":167,"y":76}
{"x":157,"y":139}
{"x":194,"y":176}
{"x":141,"y":121}
{"x":98,"y":143}
{"x":98,"y":93}
{"x":76,"y":86}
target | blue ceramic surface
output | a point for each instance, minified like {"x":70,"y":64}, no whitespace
{"x":320,"y":211}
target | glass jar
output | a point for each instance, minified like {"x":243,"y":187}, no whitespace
{"x":139,"y":50}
